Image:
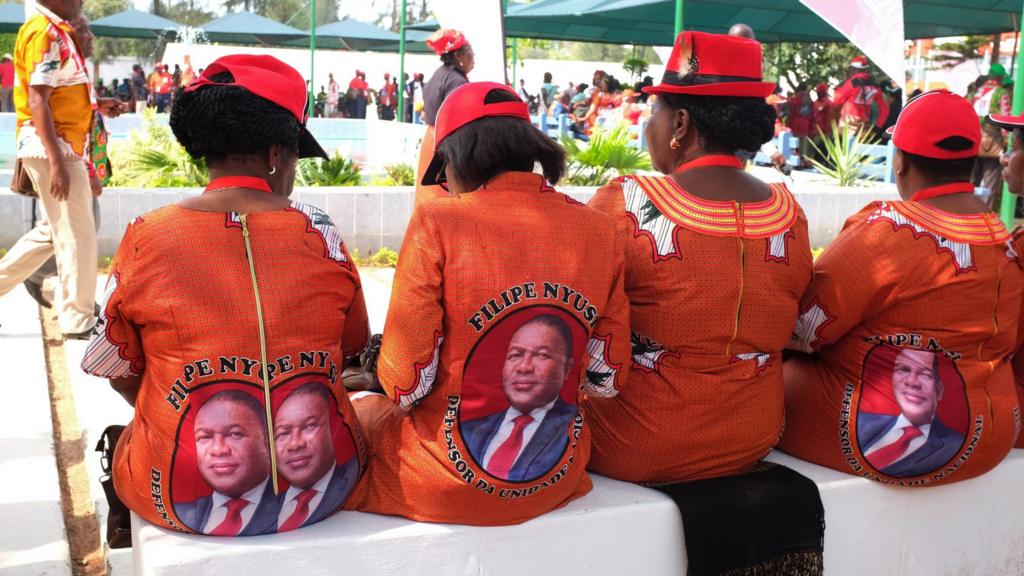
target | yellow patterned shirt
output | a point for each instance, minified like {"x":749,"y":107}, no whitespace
{"x":45,"y":55}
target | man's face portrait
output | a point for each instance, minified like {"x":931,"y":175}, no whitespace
{"x":916,"y":386}
{"x":302,"y":439}
{"x":536,"y":365}
{"x":231,"y":447}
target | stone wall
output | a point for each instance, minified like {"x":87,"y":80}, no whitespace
{"x":372,"y":217}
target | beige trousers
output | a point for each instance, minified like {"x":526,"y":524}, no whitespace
{"x":67,"y":230}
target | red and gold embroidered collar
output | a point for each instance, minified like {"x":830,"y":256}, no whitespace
{"x":985,"y":228}
{"x":721,"y":218}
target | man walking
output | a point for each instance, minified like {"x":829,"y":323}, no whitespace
{"x":54,"y":109}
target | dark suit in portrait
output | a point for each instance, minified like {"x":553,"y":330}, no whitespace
{"x":942,"y":445}
{"x":194,"y":514}
{"x":539,"y":456}
{"x":343,"y":479}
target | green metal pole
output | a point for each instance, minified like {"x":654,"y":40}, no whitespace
{"x":515,"y":61}
{"x":679,"y":18}
{"x":401,"y":67}
{"x":1008,"y":205}
{"x":312,"y":55}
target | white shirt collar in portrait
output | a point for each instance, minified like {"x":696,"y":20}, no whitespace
{"x":507,"y":425}
{"x":219,"y":509}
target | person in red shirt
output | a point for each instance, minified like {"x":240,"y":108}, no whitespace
{"x":7,"y":83}
{"x":860,"y":102}
{"x":358,"y":90}
{"x":387,"y":99}
{"x":160,"y":85}
{"x":824,"y":116}
{"x":801,"y":118}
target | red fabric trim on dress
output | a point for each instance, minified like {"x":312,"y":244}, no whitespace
{"x":250,"y":182}
{"x":710,"y":160}
{"x":943,"y":190}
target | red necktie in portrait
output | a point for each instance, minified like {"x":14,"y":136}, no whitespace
{"x":505,"y":456}
{"x":301,"y":510}
{"x":889,"y":454}
{"x":232,"y":523}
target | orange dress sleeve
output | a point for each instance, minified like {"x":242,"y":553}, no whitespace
{"x":414,"y":324}
{"x":832,"y":305}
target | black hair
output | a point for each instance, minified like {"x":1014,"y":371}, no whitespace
{"x":547,"y":76}
{"x":484,"y":148}
{"x":451,"y":58}
{"x":215,"y":122}
{"x":242,"y":399}
{"x":727,"y":123}
{"x":556,"y":324}
{"x":581,"y":87}
{"x":314,"y":389}
{"x":939,"y":171}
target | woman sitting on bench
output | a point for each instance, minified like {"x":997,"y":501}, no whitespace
{"x":227,"y":322}
{"x":716,"y":261}
{"x":911,"y":321}
{"x":1013,"y":175}
{"x":507,"y":303}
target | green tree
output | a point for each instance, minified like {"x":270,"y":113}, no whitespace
{"x":106,"y":49}
{"x":966,"y":49}
{"x":291,"y":12}
{"x":808,"y":62}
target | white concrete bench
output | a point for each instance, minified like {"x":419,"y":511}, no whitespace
{"x":973,"y":527}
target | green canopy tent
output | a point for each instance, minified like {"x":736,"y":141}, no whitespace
{"x":651,"y":22}
{"x":248,"y":28}
{"x":135,"y":24}
{"x":415,"y":41}
{"x":351,"y":35}
{"x":12,"y":16}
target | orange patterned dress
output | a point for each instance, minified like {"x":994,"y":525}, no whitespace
{"x":181,"y":312}
{"x":1018,"y":357}
{"x":507,"y":305}
{"x":713,"y":289}
{"x":911,"y":322}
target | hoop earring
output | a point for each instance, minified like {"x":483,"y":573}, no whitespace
{"x":273,"y":170}
{"x":673,"y":143}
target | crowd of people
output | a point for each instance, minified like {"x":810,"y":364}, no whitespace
{"x":660,"y":335}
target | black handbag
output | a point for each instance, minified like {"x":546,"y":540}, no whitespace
{"x":119,"y":518}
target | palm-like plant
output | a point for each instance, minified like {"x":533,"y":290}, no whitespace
{"x":337,"y":171}
{"x":845,"y":158}
{"x":608,"y":154}
{"x":153,"y":158}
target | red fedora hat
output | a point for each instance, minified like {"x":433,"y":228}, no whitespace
{"x":713,"y":65}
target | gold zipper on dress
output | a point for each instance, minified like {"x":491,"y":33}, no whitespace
{"x":739,"y":297}
{"x":263,"y":349}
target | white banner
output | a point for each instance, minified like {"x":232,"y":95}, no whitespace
{"x":874,"y":26}
{"x":481,"y":22}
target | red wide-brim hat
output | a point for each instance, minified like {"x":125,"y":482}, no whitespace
{"x":713,"y":65}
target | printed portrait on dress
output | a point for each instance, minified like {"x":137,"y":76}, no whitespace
{"x":520,"y":392}
{"x":912,"y":413}
{"x":221,"y":483}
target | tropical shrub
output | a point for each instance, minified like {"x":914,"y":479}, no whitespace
{"x":336,"y":171}
{"x":607,"y":155}
{"x":844,"y":159}
{"x":152,"y":158}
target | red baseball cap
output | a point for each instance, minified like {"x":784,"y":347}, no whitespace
{"x":713,"y":65}
{"x":1007,"y":121}
{"x":464,"y":105}
{"x":931,"y":118}
{"x":859,"y":62}
{"x":270,"y":79}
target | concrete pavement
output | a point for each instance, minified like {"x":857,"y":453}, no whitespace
{"x":32,"y":538}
